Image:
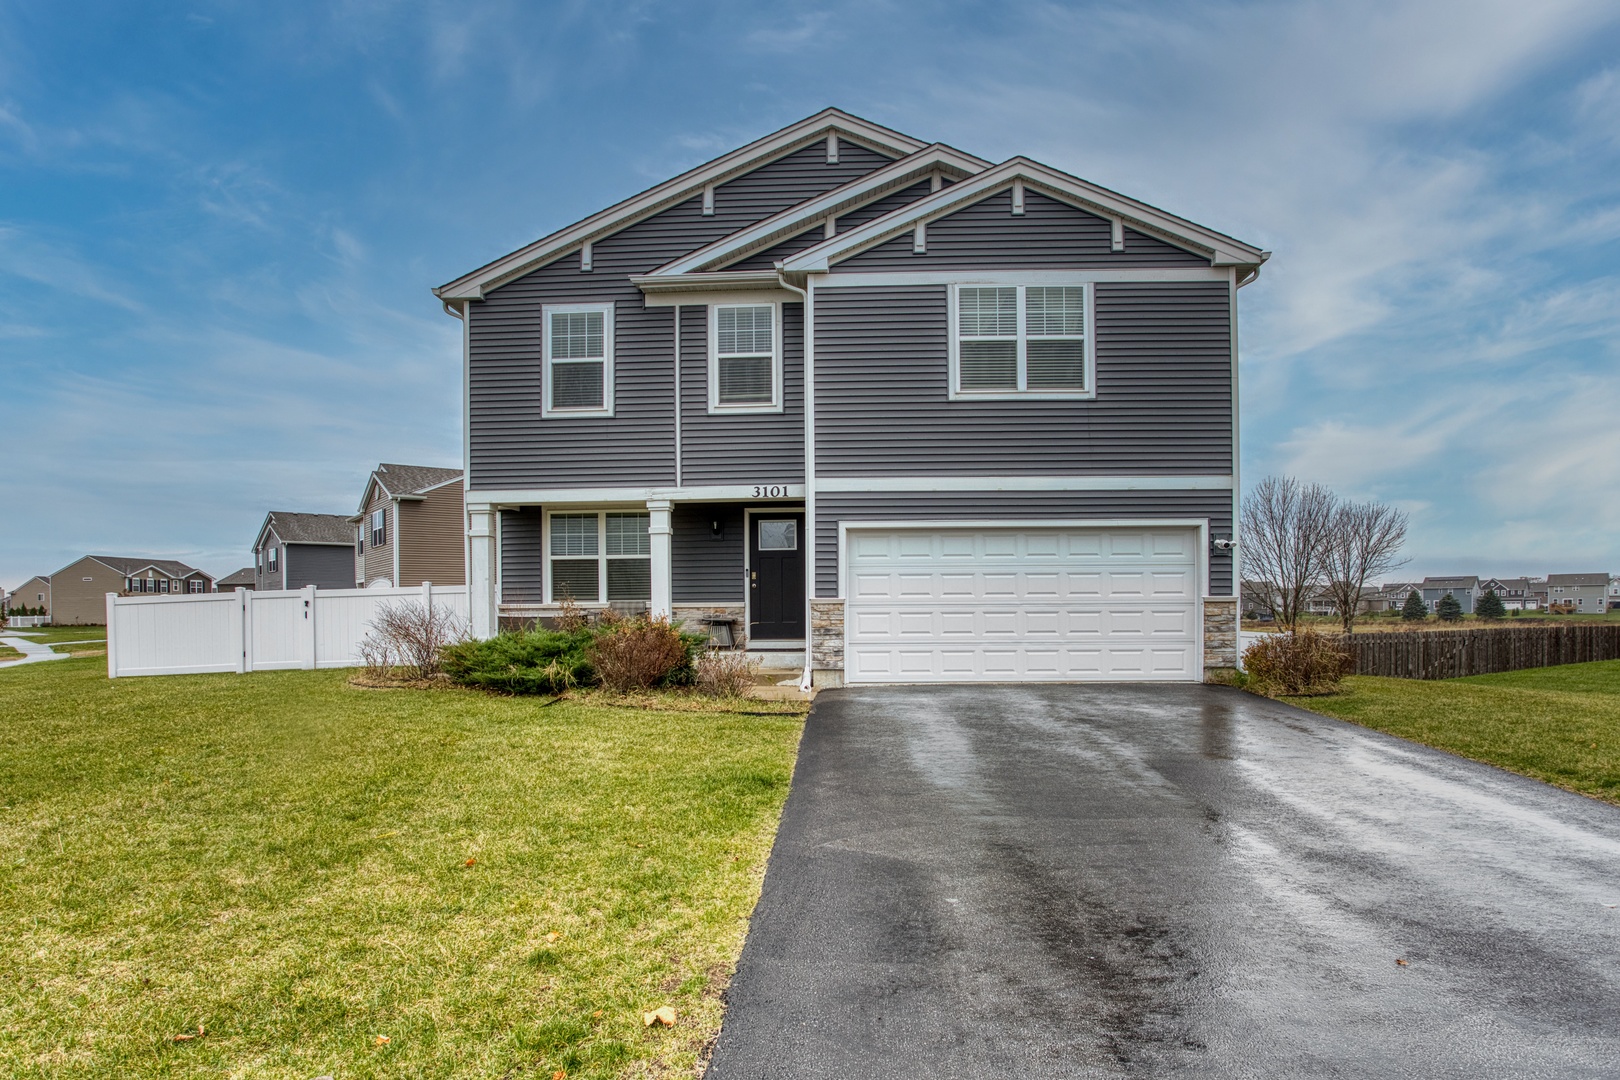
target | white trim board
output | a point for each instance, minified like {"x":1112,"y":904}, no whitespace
{"x":857,"y":484}
{"x":840,"y":279}
{"x":588,"y":496}
{"x":695,"y":298}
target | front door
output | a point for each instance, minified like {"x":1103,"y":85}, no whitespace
{"x":776,"y":577}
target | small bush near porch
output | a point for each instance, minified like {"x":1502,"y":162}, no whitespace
{"x":290,"y":870}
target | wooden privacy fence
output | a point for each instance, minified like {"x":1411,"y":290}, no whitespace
{"x":253,"y":631}
{"x":1451,"y":654}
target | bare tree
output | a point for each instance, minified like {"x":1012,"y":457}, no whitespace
{"x":1364,"y":543}
{"x":1283,"y":543}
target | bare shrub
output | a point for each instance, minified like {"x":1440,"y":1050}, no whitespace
{"x":377,"y":657}
{"x":1298,"y":662}
{"x":725,"y":674}
{"x":411,"y":637}
{"x":636,"y":654}
{"x":569,"y":617}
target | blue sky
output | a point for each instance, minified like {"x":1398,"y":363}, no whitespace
{"x":219,"y":224}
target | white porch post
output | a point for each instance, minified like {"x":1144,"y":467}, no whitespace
{"x":482,"y":603}
{"x":661,"y":535}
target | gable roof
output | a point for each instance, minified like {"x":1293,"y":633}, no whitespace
{"x":295,"y":528}
{"x":244,"y":576}
{"x":1578,"y":579}
{"x":935,"y":157}
{"x":1468,"y":582}
{"x":473,"y":286}
{"x":1220,"y":249}
{"x":406,"y":480}
{"x":131,"y":566}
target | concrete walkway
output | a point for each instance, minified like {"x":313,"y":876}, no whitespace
{"x":33,"y":652}
{"x":1168,"y":881}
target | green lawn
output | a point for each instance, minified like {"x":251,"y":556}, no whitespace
{"x":1558,"y":724}
{"x":51,"y":634}
{"x":498,"y":886}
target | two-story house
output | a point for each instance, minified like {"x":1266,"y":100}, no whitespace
{"x":1464,"y":589}
{"x":410,"y":527}
{"x":79,"y":590}
{"x":1586,"y":593}
{"x":1515,"y":593}
{"x":917,"y":415}
{"x":35,"y":593}
{"x":295,"y":550}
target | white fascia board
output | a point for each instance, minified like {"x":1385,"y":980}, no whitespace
{"x":858,"y":484}
{"x":1221,"y":249}
{"x":258,"y":541}
{"x":793,"y":137}
{"x":853,"y":195}
{"x":622,"y":496}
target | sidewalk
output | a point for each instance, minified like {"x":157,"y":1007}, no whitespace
{"x":33,"y":651}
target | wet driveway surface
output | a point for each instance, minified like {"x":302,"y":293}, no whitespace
{"x":1168,"y":881}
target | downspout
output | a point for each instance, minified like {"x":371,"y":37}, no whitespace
{"x":809,"y":471}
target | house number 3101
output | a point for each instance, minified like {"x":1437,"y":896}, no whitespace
{"x":770,"y":491}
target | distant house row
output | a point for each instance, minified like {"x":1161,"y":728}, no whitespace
{"x":407,"y":529}
{"x":1580,"y":593}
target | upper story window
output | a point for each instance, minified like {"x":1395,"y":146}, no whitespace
{"x":270,"y":559}
{"x":578,"y":350}
{"x":1011,"y":341}
{"x":745,"y":358}
{"x":379,"y":527}
{"x":599,"y":556}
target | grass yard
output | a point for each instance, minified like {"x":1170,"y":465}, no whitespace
{"x":293,"y":870}
{"x":1558,"y":724}
{"x":51,"y":634}
{"x":8,"y":653}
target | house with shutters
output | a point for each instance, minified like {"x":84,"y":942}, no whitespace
{"x":889,"y":411}
{"x":79,"y":590}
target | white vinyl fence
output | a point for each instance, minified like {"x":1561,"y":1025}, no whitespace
{"x":253,"y":631}
{"x":17,"y":622}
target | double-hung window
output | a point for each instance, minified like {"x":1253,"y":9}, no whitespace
{"x":745,"y":358}
{"x":194,"y":586}
{"x":379,"y":528}
{"x":270,"y":559}
{"x":578,"y":349}
{"x":1011,"y":341}
{"x":600,"y":556}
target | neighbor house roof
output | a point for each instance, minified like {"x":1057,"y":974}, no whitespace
{"x":1469,"y":582}
{"x":244,"y":576}
{"x":294,"y":528}
{"x":397,"y":480}
{"x":1578,"y":579}
{"x":473,"y":286}
{"x":130,"y":566}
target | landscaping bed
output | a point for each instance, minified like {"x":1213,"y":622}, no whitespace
{"x":1557,"y":724}
{"x":311,"y":878}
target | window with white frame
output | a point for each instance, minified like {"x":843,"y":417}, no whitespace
{"x":379,"y":527}
{"x":1021,"y":340}
{"x":600,"y":556}
{"x":194,"y":586}
{"x":270,"y":559}
{"x":745,"y":358}
{"x":578,"y":349}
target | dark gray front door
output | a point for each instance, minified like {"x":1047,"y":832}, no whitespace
{"x":776,"y":577}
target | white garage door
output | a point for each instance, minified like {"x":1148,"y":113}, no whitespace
{"x":1021,"y":604}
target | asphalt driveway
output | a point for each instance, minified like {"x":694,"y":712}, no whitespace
{"x":1168,"y":881}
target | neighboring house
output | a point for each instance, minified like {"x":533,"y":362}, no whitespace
{"x":79,"y":590}
{"x":293,"y":551}
{"x":1391,"y":595}
{"x":1256,"y":599}
{"x":245,"y":578}
{"x":1588,"y":592}
{"x":1515,"y":593}
{"x":1536,"y":588}
{"x":1614,"y":593}
{"x":935,"y":419}
{"x":1464,"y":589}
{"x":411,"y":528}
{"x":33,"y":593}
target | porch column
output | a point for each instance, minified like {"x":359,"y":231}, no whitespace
{"x":482,"y":603}
{"x":661,"y":535}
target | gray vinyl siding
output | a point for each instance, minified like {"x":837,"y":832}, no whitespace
{"x":1216,"y":506}
{"x":326,"y":566}
{"x":1163,"y":404}
{"x":511,"y":445}
{"x":988,"y":236}
{"x":764,"y":260}
{"x":707,"y":570}
{"x":741,"y":448}
{"x":522,"y":573}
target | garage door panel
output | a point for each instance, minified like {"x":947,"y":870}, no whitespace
{"x":1033,"y":604}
